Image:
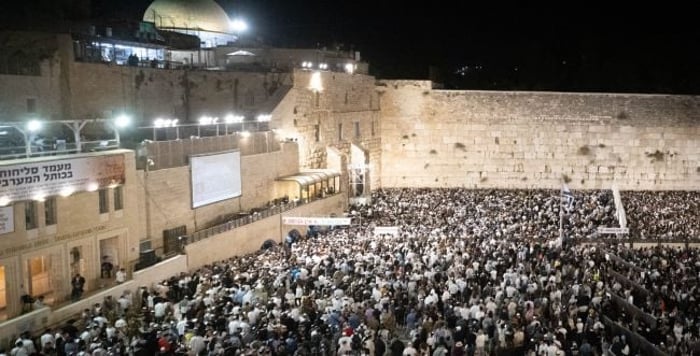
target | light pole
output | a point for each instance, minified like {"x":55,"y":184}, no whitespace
{"x":32,"y":126}
{"x":238,"y":25}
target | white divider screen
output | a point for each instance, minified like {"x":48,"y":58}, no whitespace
{"x":215,"y":177}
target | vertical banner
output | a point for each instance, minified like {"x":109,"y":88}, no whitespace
{"x":41,"y":179}
{"x":7,"y":220}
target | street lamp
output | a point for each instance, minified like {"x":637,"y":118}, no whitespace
{"x":120,"y":122}
{"x":233,"y":119}
{"x":238,"y":25}
{"x":34,"y":125}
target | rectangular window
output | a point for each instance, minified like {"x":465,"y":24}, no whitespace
{"x":317,"y":133}
{"x":30,"y":215}
{"x":50,"y":211}
{"x":118,"y":198}
{"x":357,"y":129}
{"x":31,"y":105}
{"x":340,"y":132}
{"x":104,"y":208}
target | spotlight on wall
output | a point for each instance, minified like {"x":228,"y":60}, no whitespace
{"x":245,"y":134}
{"x":315,"y":82}
{"x":4,"y":201}
{"x":158,"y":123}
{"x":264,"y":117}
{"x":66,"y":191}
{"x":92,"y":186}
{"x":208,"y":120}
{"x":233,"y":119}
{"x":350,"y":68}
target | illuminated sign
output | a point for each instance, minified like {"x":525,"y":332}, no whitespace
{"x":613,"y":230}
{"x":386,"y":230}
{"x":43,"y":179}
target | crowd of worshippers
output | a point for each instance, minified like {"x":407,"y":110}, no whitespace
{"x":670,"y":215}
{"x":470,"y":273}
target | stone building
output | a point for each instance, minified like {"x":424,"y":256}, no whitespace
{"x":62,"y":216}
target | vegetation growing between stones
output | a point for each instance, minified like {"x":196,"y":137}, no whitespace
{"x":657,"y":156}
{"x":138,"y":79}
{"x":584,"y":150}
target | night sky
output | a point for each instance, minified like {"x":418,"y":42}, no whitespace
{"x":565,"y":46}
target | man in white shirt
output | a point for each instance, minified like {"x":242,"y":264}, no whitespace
{"x":47,"y":338}
{"x":197,"y":344}
{"x":410,"y":350}
{"x":124,"y":302}
{"x":120,"y":276}
{"x":344,"y":345}
{"x":159,"y":310}
{"x":481,"y":340}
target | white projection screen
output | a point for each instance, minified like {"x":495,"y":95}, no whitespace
{"x":215,"y":177}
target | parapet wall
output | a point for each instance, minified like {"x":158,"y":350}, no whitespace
{"x":481,"y":139}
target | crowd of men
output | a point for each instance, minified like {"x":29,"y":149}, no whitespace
{"x":660,"y":215}
{"x":472,"y":272}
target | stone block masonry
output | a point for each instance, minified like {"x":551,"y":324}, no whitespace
{"x":479,"y":139}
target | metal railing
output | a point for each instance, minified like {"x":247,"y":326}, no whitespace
{"x":56,"y":149}
{"x":249,"y":218}
{"x":241,"y":221}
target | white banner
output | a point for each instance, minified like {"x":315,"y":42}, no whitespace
{"x":613,"y":230}
{"x":386,"y":230}
{"x":289,"y":220}
{"x":7,"y":220}
{"x":42,"y":179}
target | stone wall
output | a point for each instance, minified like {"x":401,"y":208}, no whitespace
{"x":17,"y":90}
{"x":346,"y":99}
{"x":480,"y":139}
{"x":149,"y":93}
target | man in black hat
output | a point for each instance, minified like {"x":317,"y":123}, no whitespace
{"x":107,"y":267}
{"x":78,"y":285}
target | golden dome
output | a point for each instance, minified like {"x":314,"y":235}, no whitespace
{"x":203,"y":15}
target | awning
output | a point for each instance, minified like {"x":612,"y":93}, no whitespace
{"x":311,"y":176}
{"x":241,"y":53}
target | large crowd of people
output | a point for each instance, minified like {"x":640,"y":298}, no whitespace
{"x":671,"y":215}
{"x":471,"y":272}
